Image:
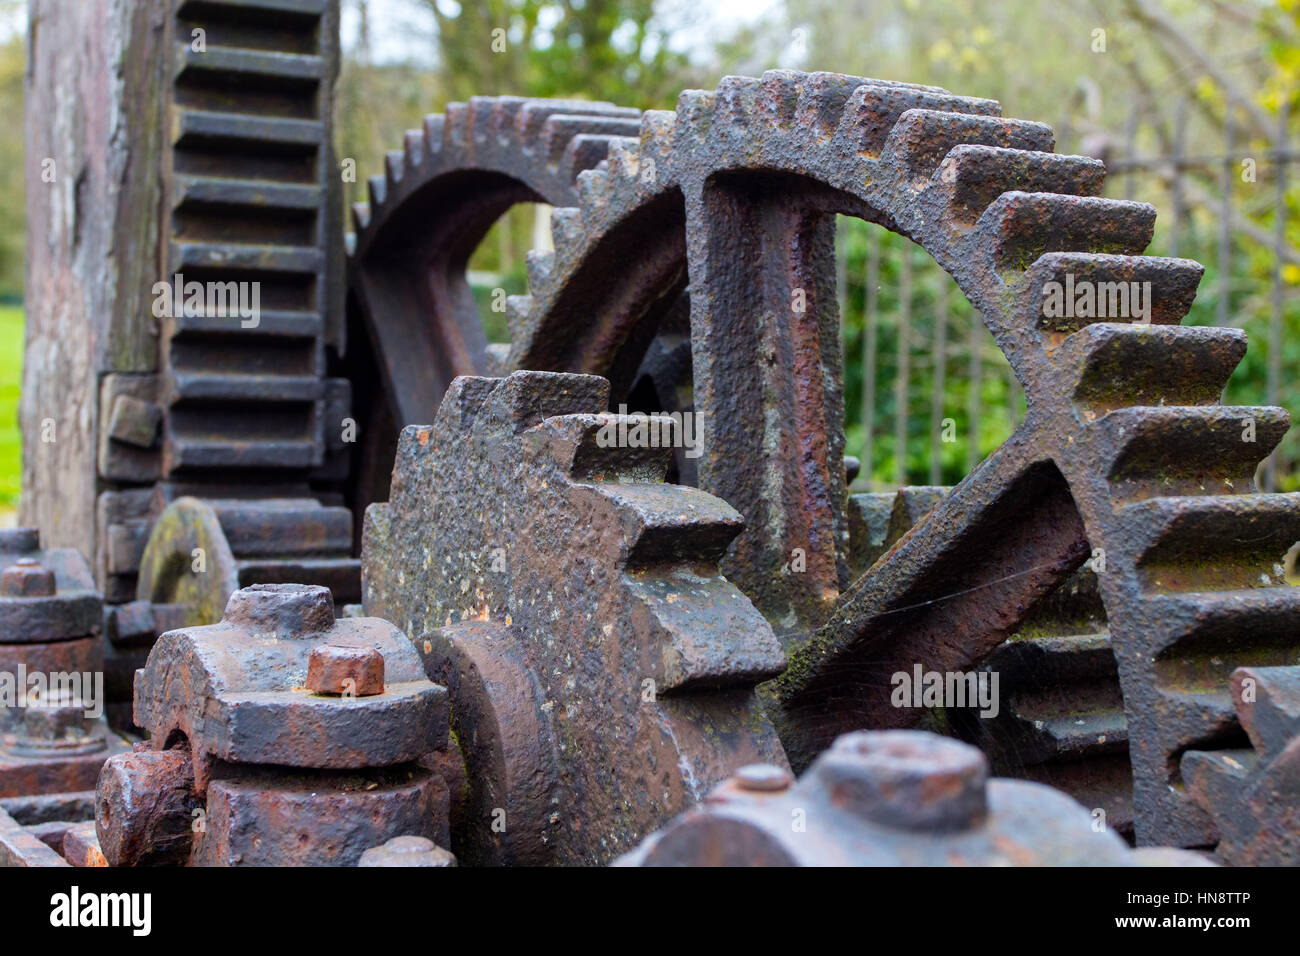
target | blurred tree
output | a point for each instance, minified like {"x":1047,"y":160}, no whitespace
{"x":587,"y":49}
{"x":13,"y":59}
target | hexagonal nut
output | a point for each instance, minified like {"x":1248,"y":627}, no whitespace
{"x":27,"y":577}
{"x":351,"y":669}
{"x":908,"y":779}
{"x":407,"y":851}
{"x":57,"y":720}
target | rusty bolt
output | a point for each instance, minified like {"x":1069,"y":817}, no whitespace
{"x":282,"y":610}
{"x":62,"y":718}
{"x":906,"y":779}
{"x":763,"y":778}
{"x":58,"y":726}
{"x":345,"y":668}
{"x":407,"y":851}
{"x":144,"y":808}
{"x":27,"y":578}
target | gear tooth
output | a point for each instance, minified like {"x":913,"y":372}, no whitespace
{"x":673,"y":523}
{"x":540,"y":265}
{"x":561,"y":129}
{"x":393,"y":166}
{"x":455,"y":127}
{"x":1161,"y":364}
{"x":378,"y":191}
{"x":1271,"y":714}
{"x":695,"y":107}
{"x":657,"y":128}
{"x":922,"y":138}
{"x":433,"y":133}
{"x":822,"y":99}
{"x":496,"y":359}
{"x":593,"y":185}
{"x":525,"y":399}
{"x":534,"y":113}
{"x":1019,"y":227}
{"x":1169,"y":449}
{"x":519,"y":309}
{"x":361,"y":216}
{"x":505,"y":113}
{"x":587,"y":151}
{"x":1173,"y":286}
{"x":971,"y":177}
{"x":566,"y":228}
{"x":778,"y":96}
{"x":624,"y":157}
{"x":1211,"y":542}
{"x":736,"y":101}
{"x":414,"y":143}
{"x":462,"y":403}
{"x":581,"y":448}
{"x":870,"y":112}
{"x":481,"y":118}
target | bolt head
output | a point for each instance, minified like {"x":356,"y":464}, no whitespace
{"x":908,"y":779}
{"x":284,"y":610}
{"x":59,"y":719}
{"x":407,"y":851}
{"x":763,"y":778}
{"x":27,"y":577}
{"x":345,"y":668}
{"x":55,"y":727}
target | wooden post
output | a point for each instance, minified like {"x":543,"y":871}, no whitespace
{"x":96,"y":84}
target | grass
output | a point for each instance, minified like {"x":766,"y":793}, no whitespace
{"x":11,"y":378}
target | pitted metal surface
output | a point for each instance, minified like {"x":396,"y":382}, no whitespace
{"x":889,"y":798}
{"x":601,"y":671}
{"x":53,"y":736}
{"x":1124,"y":448}
{"x":248,"y":765}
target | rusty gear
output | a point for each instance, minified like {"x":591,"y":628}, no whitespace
{"x":1124,"y":449}
{"x":1250,"y":793}
{"x":601,"y":671}
{"x":439,"y":195}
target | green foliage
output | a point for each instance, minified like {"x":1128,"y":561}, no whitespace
{"x":11,"y":376}
{"x":12,"y":212}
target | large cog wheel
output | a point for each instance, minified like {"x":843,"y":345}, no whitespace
{"x":601,"y":671}
{"x":1124,"y":449}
